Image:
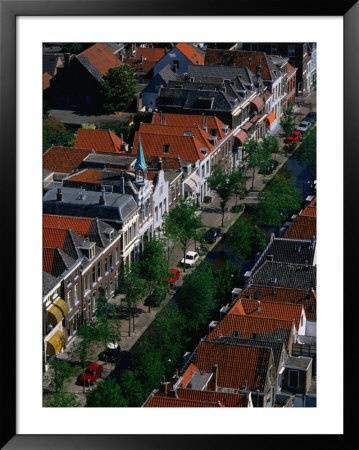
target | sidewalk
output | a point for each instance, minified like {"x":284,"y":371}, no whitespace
{"x":211,"y":216}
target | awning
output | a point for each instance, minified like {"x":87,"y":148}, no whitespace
{"x":191,"y":184}
{"x":55,"y":343}
{"x":258,"y":103}
{"x":247,"y":125}
{"x":58,"y":311}
{"x":270,"y":118}
{"x":241,"y":136}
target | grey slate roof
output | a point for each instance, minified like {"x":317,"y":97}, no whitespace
{"x":49,"y":63}
{"x":105,"y":160}
{"x":87,"y":64}
{"x":275,"y":345}
{"x":240,"y":74}
{"x":117,"y":207}
{"x":292,"y":251}
{"x":296,"y":276}
{"x":48,"y":283}
{"x":61,"y":262}
{"x":198,"y":380}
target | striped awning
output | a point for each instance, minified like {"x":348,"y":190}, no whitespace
{"x":55,"y":343}
{"x":258,"y":103}
{"x":58,"y":311}
{"x":241,"y":136}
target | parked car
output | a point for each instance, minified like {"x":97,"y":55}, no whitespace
{"x":112,"y":353}
{"x":92,"y":373}
{"x":311,"y":117}
{"x":190,"y":259}
{"x":295,"y":137}
{"x":156,"y":298}
{"x":212,"y":234}
{"x":175,"y":274}
{"x":303,"y":126}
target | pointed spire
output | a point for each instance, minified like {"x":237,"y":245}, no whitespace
{"x":140,"y":161}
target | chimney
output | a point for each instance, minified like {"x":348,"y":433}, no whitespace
{"x":59,"y":195}
{"x":204,"y":122}
{"x":164,"y":388}
{"x":160,"y":164}
{"x":102,"y":200}
{"x":214,"y":377}
{"x":122,"y":185}
{"x":272,"y":236}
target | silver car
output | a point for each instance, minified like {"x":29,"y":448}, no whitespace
{"x":303,"y":126}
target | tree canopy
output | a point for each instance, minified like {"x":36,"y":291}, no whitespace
{"x":119,"y":87}
{"x":224,"y":185}
{"x":55,"y":133}
{"x":287,"y":122}
{"x":106,"y":394}
{"x":307,"y":153}
{"x":258,"y":156}
{"x":246,"y":239}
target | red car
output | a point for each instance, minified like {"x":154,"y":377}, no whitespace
{"x":92,"y":372}
{"x":176,"y":274}
{"x":296,"y":135}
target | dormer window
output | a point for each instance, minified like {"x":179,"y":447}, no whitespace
{"x":88,"y":249}
{"x":213,"y":132}
{"x":204,"y":150}
{"x":109,"y":233}
{"x":166,"y":148}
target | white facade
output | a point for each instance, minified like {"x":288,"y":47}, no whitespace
{"x":159,"y":201}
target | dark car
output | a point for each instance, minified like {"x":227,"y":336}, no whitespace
{"x":311,"y":116}
{"x":92,"y":373}
{"x":212,"y":234}
{"x":111,"y":354}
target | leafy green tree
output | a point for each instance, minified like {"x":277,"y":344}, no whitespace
{"x":73,"y":47}
{"x":276,"y":201}
{"x":307,"y":154}
{"x":132,"y":388}
{"x":62,"y":400}
{"x":55,"y":133}
{"x":181,"y":224}
{"x":131,"y":284}
{"x":107,"y":324}
{"x":196,"y":298}
{"x":149,"y":370}
{"x":287,"y":122}
{"x":258,"y":156}
{"x":83,"y":348}
{"x":224,"y":282}
{"x":119,"y":87}
{"x":238,"y":181}
{"x":60,"y":372}
{"x":106,"y":394}
{"x":220,"y":181}
{"x":246,"y":239}
{"x":153,"y":266}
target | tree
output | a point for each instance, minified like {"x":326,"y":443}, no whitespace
{"x":287,"y":122}
{"x":73,"y":47}
{"x":107,"y":324}
{"x":119,"y":88}
{"x":246,"y":239}
{"x":307,"y":154}
{"x":196,"y":298}
{"x":224,"y":283}
{"x":238,"y":181}
{"x":272,"y":144}
{"x":131,"y":284}
{"x":106,"y":394}
{"x":55,"y":133}
{"x":62,"y":400}
{"x":181,"y":224}
{"x":131,"y":388}
{"x":60,"y":372}
{"x":220,"y":181}
{"x":153,"y":266}
{"x":84,"y":346}
{"x":258,"y":156}
{"x":276,"y":201}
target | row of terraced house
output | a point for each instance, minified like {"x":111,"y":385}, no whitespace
{"x":262,"y":350}
{"x":103,"y":198}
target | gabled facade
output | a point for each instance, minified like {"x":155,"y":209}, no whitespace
{"x":179,"y":58}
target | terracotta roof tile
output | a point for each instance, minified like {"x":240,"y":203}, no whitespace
{"x":53,"y":238}
{"x":226,"y":399}
{"x":188,"y":148}
{"x":303,"y":227}
{"x":191,"y":120}
{"x":172,"y":402}
{"x":286,"y":295}
{"x":187,"y":375}
{"x":102,"y":141}
{"x":168,"y":163}
{"x":47,"y":259}
{"x":64,"y":159}
{"x":237,"y":365}
{"x":100,"y":57}
{"x":311,"y":209}
{"x":252,"y":326}
{"x":138,"y":65}
{"x":190,"y":53}
{"x":273,"y":310}
{"x":79,"y":225}
{"x":151,"y":53}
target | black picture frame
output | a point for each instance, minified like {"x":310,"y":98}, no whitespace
{"x":9,"y":10}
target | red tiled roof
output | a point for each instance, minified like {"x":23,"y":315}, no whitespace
{"x":311,"y":209}
{"x":87,"y":176}
{"x":286,"y":295}
{"x":226,"y":399}
{"x":47,"y":259}
{"x":64,"y":159}
{"x":247,"y":325}
{"x":274,"y":310}
{"x":138,"y":65}
{"x":190,"y":53}
{"x":187,"y":375}
{"x":168,"y":163}
{"x":172,"y":402}
{"x":290,"y":69}
{"x":150,"y":53}
{"x":238,"y":58}
{"x":191,"y":120}
{"x":79,"y":225}
{"x":101,"y":57}
{"x":303,"y":227}
{"x":102,"y":141}
{"x":188,"y":148}
{"x":53,"y":238}
{"x":199,"y":133}
{"x":237,"y":365}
